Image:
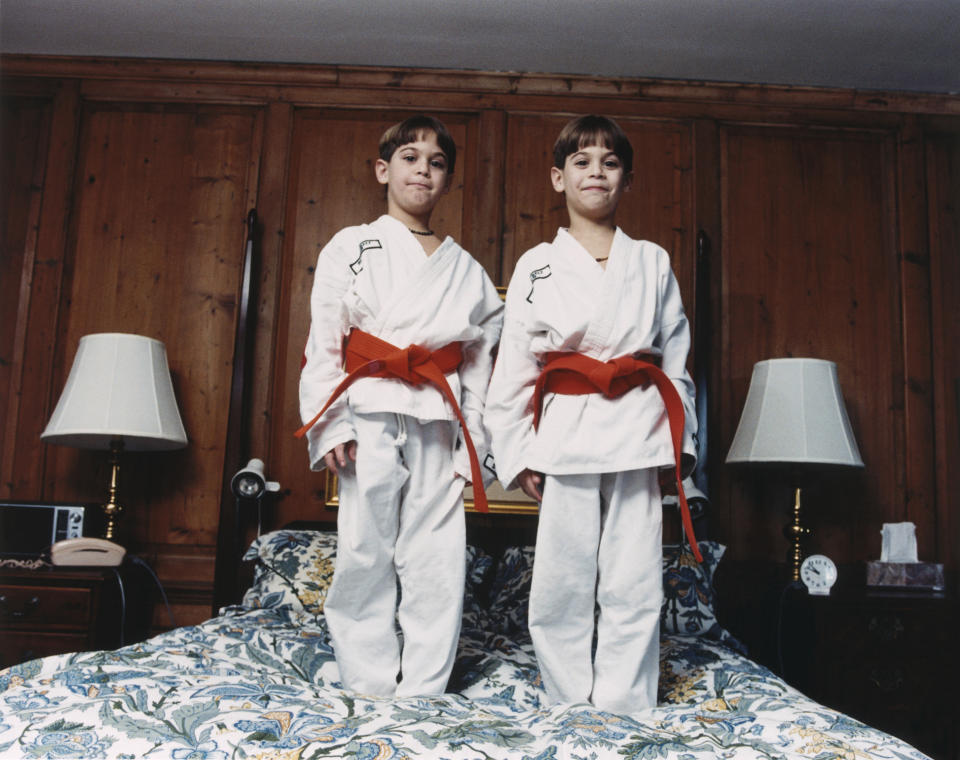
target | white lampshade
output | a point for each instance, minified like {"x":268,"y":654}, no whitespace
{"x":794,"y":414}
{"x":119,"y":388}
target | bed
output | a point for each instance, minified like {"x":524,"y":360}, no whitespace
{"x":260,"y":681}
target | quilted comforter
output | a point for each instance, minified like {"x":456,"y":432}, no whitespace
{"x":260,"y":681}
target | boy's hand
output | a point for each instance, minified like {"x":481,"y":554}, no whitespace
{"x":336,"y":458}
{"x":667,"y":478}
{"x":531,"y":483}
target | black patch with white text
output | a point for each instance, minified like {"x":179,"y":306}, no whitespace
{"x":365,"y":245}
{"x":537,"y":274}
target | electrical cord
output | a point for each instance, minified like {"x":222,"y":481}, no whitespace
{"x":783,"y":596}
{"x":123,"y":596}
{"x":123,"y":606}
{"x":163,"y":593}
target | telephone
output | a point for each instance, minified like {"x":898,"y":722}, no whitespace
{"x":86,"y":551}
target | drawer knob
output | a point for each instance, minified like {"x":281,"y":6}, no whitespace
{"x":887,"y":679}
{"x":886,"y":628}
{"x":29,"y":607}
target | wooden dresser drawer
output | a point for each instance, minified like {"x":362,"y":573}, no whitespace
{"x":28,"y":606}
{"x":884,"y":657}
{"x":53,"y":610}
{"x":20,"y":646}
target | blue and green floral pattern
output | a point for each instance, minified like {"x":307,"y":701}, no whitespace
{"x":260,"y":681}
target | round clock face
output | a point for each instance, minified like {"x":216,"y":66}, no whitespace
{"x":818,"y":573}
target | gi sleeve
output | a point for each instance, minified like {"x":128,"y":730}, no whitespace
{"x":475,"y":370}
{"x":509,"y":411}
{"x":323,"y":360}
{"x":674,"y":341}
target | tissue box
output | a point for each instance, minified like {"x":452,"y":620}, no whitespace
{"x":926,"y":576}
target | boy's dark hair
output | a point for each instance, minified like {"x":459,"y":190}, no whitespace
{"x":592,"y":130}
{"x":409,"y":130}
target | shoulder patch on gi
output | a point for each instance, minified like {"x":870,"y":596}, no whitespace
{"x":365,"y":245}
{"x":537,"y":274}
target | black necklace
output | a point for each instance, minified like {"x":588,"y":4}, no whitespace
{"x":428,"y":233}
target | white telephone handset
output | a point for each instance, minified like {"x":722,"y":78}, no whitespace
{"x":88,"y":552}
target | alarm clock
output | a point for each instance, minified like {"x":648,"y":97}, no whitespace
{"x":818,"y":574}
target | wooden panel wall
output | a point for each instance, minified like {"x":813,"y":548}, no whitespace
{"x":943,"y":190}
{"x":810,"y":269}
{"x":833,"y":218}
{"x":155,"y":249}
{"x":26,"y":123}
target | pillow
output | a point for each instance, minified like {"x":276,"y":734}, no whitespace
{"x":688,"y":603}
{"x":294,"y":569}
{"x":479,"y":564}
{"x":510,"y":591}
{"x":688,"y":595}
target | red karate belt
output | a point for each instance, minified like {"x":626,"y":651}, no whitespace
{"x":368,"y":356}
{"x":576,"y":374}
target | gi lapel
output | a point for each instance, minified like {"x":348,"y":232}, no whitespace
{"x":597,"y":340}
{"x":423,"y":287}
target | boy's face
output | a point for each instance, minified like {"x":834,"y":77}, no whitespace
{"x":416,"y":175}
{"x":593,"y":180}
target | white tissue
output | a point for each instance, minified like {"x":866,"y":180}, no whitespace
{"x":899,"y":542}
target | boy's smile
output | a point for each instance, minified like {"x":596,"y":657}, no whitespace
{"x":416,"y":178}
{"x":593,"y":179}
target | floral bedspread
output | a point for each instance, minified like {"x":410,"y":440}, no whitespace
{"x":262,"y":683}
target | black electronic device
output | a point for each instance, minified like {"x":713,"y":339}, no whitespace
{"x":28,"y":529}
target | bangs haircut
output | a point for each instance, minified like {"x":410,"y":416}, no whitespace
{"x":585,"y":131}
{"x":412,"y":129}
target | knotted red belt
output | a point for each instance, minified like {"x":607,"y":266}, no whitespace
{"x":576,"y":374}
{"x":368,"y":356}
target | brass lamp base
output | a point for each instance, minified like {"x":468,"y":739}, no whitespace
{"x":797,"y":534}
{"x":112,"y":508}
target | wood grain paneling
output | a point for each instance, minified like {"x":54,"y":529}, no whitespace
{"x":811,"y":268}
{"x":25,"y":463}
{"x":353,"y":78}
{"x":943,"y":190}
{"x":157,"y":234}
{"x":833,"y":217}
{"x":917,"y":503}
{"x":23,"y":153}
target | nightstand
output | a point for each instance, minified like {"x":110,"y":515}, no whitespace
{"x":887,"y":658}
{"x":54,"y":610}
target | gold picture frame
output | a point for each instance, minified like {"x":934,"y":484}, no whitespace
{"x":500,"y":501}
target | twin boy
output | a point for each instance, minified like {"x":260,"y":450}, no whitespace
{"x":588,"y":409}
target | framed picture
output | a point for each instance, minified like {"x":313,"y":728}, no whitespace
{"x":500,"y":501}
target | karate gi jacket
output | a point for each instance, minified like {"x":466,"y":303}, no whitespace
{"x":377,"y":277}
{"x":561,"y":299}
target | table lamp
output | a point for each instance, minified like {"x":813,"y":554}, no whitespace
{"x":118,"y":397}
{"x":794,"y":415}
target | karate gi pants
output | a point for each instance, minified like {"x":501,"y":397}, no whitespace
{"x":400,"y":516}
{"x":599,"y":545}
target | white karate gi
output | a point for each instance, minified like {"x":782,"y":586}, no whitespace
{"x":600,"y":519}
{"x":401,"y":506}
